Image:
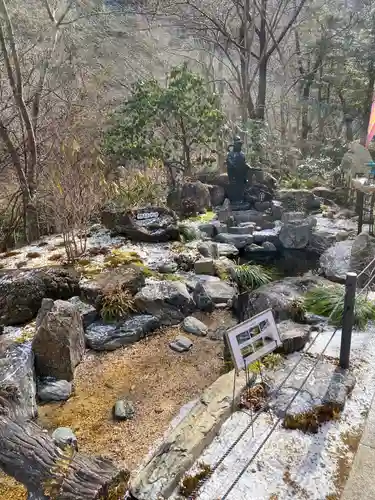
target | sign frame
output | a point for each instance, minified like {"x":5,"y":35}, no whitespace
{"x":244,"y":352}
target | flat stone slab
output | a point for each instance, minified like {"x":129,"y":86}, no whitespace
{"x":237,"y":240}
{"x":185,"y":443}
{"x":327,"y":385}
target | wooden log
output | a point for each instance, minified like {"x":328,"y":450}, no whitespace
{"x":28,"y":454}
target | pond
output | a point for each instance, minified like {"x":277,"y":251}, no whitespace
{"x":288,"y":262}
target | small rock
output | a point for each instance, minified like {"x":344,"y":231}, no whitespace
{"x":168,"y":267}
{"x":262,"y":206}
{"x":269,"y":247}
{"x":54,"y":390}
{"x":208,"y":249}
{"x":63,"y":437}
{"x":210,"y":295}
{"x":204,"y":266}
{"x":226,"y":250}
{"x":293,"y":336}
{"x":181,"y":344}
{"x":194,"y":326}
{"x":237,"y":240}
{"x":123,"y":410}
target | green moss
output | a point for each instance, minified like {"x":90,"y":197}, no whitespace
{"x":310,"y":421}
{"x":26,"y":335}
{"x":150,"y":273}
{"x":121,"y":258}
{"x":207,"y":217}
{"x":191,"y":482}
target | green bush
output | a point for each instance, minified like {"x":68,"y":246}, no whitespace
{"x":328,"y":301}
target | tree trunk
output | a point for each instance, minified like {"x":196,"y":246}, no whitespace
{"x":28,"y":454}
{"x":263,"y":61}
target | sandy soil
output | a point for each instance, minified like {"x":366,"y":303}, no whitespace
{"x":157,"y":380}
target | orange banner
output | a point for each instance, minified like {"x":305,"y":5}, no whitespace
{"x":371,"y":126}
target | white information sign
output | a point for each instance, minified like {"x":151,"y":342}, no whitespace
{"x":253,"y":339}
{"x":147,"y":215}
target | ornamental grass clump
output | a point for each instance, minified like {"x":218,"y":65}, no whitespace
{"x":250,"y":276}
{"x":328,"y":301}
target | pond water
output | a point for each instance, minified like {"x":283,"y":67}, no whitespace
{"x":288,"y":262}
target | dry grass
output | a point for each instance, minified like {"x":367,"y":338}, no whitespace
{"x":158,"y":380}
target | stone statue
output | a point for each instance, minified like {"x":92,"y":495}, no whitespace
{"x":238,"y":171}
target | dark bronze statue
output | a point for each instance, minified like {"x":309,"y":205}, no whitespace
{"x":246,"y":185}
{"x":238,"y":171}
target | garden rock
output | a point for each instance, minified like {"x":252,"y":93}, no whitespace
{"x":271,"y":235}
{"x":227,"y":250}
{"x":17,"y":368}
{"x":204,"y":266}
{"x":168,"y":301}
{"x":327,"y":387}
{"x":259,"y":219}
{"x":224,"y":268}
{"x":108,"y":337}
{"x":123,"y":410}
{"x":293,"y":336}
{"x":194,"y":326}
{"x":181,"y":344}
{"x":59,"y":342}
{"x":54,"y":390}
{"x":296,"y":232}
{"x":151,"y":225}
{"x":22,"y":292}
{"x":63,"y":437}
{"x":168,"y":267}
{"x":128,"y":278}
{"x":237,"y":240}
{"x":298,"y":199}
{"x":362,"y":253}
{"x":191,"y":198}
{"x":208,"y":249}
{"x":279,"y":295}
{"x":211,"y":294}
{"x":87,"y":311}
{"x":335,"y":261}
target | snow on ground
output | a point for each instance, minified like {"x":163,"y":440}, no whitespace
{"x":294,"y":465}
{"x":150,"y":253}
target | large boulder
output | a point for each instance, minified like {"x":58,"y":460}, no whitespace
{"x":296,"y":231}
{"x":17,"y":377}
{"x":191,"y":198}
{"x":335,"y":261}
{"x":281,"y":295}
{"x":59,"y":342}
{"x":151,"y":224}
{"x":361,"y":256}
{"x":22,"y":292}
{"x":209,"y":295}
{"x":108,"y":337}
{"x":128,"y":278}
{"x":169,"y":301}
{"x":298,"y":199}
